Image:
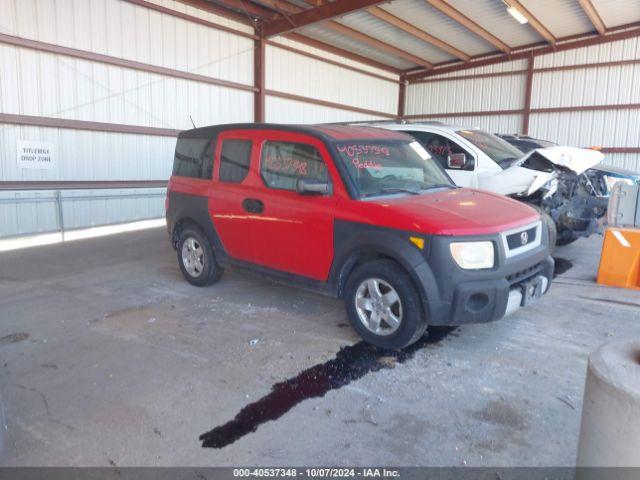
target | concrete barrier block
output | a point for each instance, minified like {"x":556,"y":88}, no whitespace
{"x":610,"y":428}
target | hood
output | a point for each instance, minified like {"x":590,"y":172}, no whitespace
{"x":576,"y":159}
{"x":617,"y":171}
{"x":449,"y":212}
{"x":525,"y":176}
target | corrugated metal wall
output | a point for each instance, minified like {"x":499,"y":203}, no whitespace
{"x":469,"y":95}
{"x":294,"y":73}
{"x":595,"y":86}
{"x":45,"y":84}
{"x":607,"y":85}
{"x":490,"y":123}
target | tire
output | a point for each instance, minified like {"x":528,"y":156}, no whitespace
{"x":196,"y":258}
{"x":551,"y":226}
{"x":401,"y":322}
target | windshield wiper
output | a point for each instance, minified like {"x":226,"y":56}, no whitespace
{"x":382,"y":191}
{"x":440,"y":185}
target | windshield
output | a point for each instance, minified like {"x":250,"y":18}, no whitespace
{"x":497,"y":149}
{"x":388,"y":167}
{"x":527,"y":145}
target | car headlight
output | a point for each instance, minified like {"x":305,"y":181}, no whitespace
{"x":612,"y":180}
{"x":473,"y":255}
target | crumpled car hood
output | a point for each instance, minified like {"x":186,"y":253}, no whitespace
{"x":520,"y":179}
{"x":576,"y":159}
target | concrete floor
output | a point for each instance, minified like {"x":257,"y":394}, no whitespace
{"x":108,"y":357}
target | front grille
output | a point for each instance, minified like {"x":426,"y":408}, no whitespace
{"x":520,"y":239}
{"x":525,"y":274}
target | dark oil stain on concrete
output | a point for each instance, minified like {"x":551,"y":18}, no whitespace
{"x":562,"y":265}
{"x":502,"y":414}
{"x":13,"y":338}
{"x":350,"y":364}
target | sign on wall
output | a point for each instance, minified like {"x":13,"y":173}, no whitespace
{"x":36,"y":155}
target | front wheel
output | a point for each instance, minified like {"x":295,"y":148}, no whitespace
{"x":196,"y":258}
{"x":383,"y":305}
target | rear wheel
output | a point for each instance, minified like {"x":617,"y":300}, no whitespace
{"x":196,"y":258}
{"x":383,"y":305}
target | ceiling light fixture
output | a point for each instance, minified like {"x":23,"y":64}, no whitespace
{"x":515,"y":13}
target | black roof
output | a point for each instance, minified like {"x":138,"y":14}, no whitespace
{"x":325,"y":132}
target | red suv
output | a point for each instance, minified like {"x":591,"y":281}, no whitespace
{"x":357,"y":213}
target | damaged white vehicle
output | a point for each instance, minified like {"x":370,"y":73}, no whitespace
{"x":552,"y":179}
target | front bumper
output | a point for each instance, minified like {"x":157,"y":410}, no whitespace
{"x":453,"y":296}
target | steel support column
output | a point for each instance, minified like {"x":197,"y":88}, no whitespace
{"x":526,"y":115}
{"x":402,"y":95}
{"x":259,"y":77}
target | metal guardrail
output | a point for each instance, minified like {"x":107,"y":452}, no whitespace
{"x":59,"y":186}
{"x":81,"y":184}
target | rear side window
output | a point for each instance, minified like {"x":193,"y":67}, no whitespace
{"x":194,"y":158}
{"x":283,"y":163}
{"x":235,"y":158}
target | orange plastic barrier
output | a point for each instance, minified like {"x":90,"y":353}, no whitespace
{"x":620,"y":259}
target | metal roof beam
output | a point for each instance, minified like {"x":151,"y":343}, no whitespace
{"x":565,"y":43}
{"x":375,"y":43}
{"x":347,"y":31}
{"x":322,"y":13}
{"x":312,"y":42}
{"x":533,"y":21}
{"x":282,"y":6}
{"x":417,"y":32}
{"x":593,"y":15}
{"x":469,"y":24}
{"x":250,"y":9}
{"x":217,"y":10}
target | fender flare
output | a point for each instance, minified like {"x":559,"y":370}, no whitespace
{"x":357,"y":243}
{"x":192,"y":209}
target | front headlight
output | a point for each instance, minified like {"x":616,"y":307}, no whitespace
{"x":473,"y":255}
{"x":611,"y":180}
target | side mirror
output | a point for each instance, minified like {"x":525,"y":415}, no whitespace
{"x":312,"y":187}
{"x":457,"y":160}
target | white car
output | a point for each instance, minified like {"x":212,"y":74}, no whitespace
{"x":550,"y":179}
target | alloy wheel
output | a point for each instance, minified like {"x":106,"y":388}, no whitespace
{"x":379,"y":307}
{"x":193,"y":257}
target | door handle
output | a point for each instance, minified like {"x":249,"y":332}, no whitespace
{"x":253,"y":205}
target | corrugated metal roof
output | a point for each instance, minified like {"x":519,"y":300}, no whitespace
{"x":427,"y":18}
{"x":338,"y":40}
{"x":561,"y":17}
{"x":300,"y":3}
{"x":618,"y":12}
{"x":492,"y":16}
{"x":374,"y":27}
